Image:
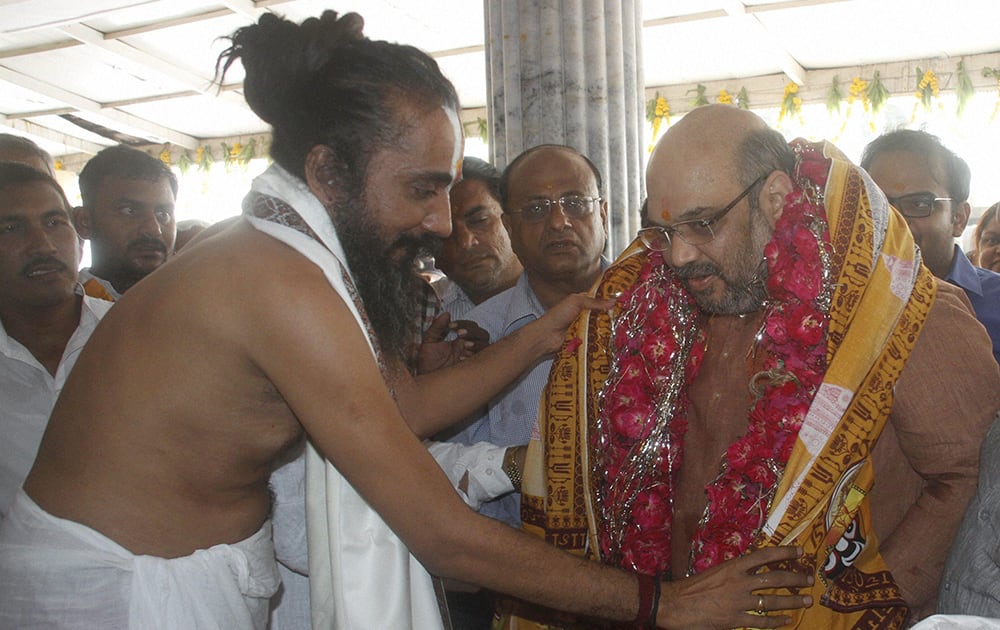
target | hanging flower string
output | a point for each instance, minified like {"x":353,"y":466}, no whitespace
{"x":657,"y":347}
{"x":791,"y":102}
{"x":657,"y":113}
{"x":927,"y":90}
{"x":725,"y":98}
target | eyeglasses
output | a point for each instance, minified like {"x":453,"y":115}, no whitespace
{"x":693,"y":232}
{"x":916,"y":205}
{"x":573,"y":206}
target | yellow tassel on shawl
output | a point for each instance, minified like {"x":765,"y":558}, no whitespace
{"x":95,"y":289}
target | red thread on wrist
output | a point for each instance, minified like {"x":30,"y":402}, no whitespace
{"x":648,"y":591}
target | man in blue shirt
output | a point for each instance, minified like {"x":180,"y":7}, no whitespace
{"x":929,"y":185}
{"x":557,"y":220}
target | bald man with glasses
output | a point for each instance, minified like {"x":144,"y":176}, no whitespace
{"x":778,"y":369}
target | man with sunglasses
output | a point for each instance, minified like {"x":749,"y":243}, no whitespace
{"x":929,"y":185}
{"x":778,"y":369}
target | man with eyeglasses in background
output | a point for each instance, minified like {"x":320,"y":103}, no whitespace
{"x":778,"y":369}
{"x":929,"y":185}
{"x":557,"y":221}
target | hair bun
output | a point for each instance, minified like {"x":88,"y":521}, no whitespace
{"x":280,"y":58}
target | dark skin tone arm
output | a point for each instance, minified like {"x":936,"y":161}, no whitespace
{"x":353,"y":421}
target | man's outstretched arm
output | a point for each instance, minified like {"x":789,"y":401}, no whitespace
{"x":355,"y":424}
{"x":436,"y":400}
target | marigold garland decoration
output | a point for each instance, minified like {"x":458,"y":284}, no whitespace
{"x":725,"y":98}
{"x":59,"y":165}
{"x":791,"y":102}
{"x":165,"y":156}
{"x":964,"y":91}
{"x":203,"y":158}
{"x":858,"y":90}
{"x":657,"y":113}
{"x":239,"y":154}
{"x":699,"y":95}
{"x":927,"y":90}
{"x":743,"y":99}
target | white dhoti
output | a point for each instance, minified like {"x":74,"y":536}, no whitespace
{"x":56,"y":573}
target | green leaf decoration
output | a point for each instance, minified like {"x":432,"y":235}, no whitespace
{"x":877,"y":93}
{"x":834,"y":96}
{"x":699,"y":96}
{"x":743,"y":99}
{"x":965,"y":90}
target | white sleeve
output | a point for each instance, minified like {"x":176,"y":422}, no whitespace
{"x":484,"y":464}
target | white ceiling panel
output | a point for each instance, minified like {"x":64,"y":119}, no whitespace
{"x":145,"y":66}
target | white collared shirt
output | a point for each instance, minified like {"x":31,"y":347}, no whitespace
{"x":27,"y":394}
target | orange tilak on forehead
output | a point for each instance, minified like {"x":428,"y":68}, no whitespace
{"x":665,"y":212}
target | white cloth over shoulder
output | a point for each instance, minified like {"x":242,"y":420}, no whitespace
{"x":56,"y":573}
{"x":361,"y":574}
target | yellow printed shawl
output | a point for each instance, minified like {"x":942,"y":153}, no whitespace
{"x":882,"y":296}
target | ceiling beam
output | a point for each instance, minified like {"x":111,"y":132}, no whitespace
{"x":84,"y":104}
{"x":246,"y":8}
{"x":192,"y":80}
{"x":51,"y":135}
{"x":788,"y":64}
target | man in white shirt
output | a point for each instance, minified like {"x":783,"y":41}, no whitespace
{"x":45,"y":319}
{"x":128,"y":217}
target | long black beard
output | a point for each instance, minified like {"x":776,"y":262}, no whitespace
{"x":387,"y":277}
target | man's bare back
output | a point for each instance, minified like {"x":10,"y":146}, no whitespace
{"x":168,"y":470}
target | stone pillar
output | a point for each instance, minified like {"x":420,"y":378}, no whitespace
{"x":570,"y":72}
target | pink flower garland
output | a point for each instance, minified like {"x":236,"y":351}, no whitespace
{"x":655,"y":355}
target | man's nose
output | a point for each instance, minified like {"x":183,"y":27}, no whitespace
{"x":437,"y":221}
{"x":682,"y":253}
{"x":557,"y":219}
{"x":41,"y":241}
{"x":150,"y":226}
{"x":464,"y":237}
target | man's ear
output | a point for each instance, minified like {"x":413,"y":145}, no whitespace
{"x":321,"y":174}
{"x":505,"y":218}
{"x":81,"y":221}
{"x":960,"y":218}
{"x":604,"y":218}
{"x":771,"y":200}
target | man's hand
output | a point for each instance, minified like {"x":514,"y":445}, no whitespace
{"x":436,"y":353}
{"x":723,"y":596}
{"x":552,"y":326}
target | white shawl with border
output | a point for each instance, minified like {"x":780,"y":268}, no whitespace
{"x":361,"y":575}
